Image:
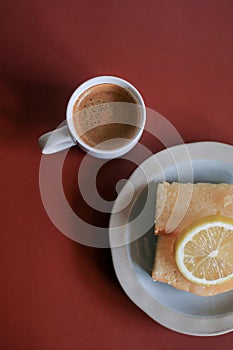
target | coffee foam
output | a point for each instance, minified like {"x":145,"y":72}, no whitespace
{"x":106,"y":116}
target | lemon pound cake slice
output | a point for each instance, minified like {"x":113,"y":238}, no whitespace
{"x":204,"y":228}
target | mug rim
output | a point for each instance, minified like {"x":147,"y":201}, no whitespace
{"x":105,"y":79}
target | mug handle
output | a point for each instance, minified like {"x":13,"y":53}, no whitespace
{"x":56,"y":140}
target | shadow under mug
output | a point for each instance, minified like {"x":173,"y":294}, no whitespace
{"x":66,"y":136}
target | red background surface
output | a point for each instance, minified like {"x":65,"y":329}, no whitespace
{"x":55,"y":293}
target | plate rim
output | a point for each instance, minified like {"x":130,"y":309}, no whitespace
{"x":171,"y":319}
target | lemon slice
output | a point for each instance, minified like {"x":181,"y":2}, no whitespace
{"x":204,"y":251}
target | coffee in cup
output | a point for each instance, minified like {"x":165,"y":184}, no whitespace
{"x":105,"y":116}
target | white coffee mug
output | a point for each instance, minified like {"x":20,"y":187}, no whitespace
{"x":66,"y":136}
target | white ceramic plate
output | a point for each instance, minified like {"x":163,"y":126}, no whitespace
{"x":132,"y":240}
